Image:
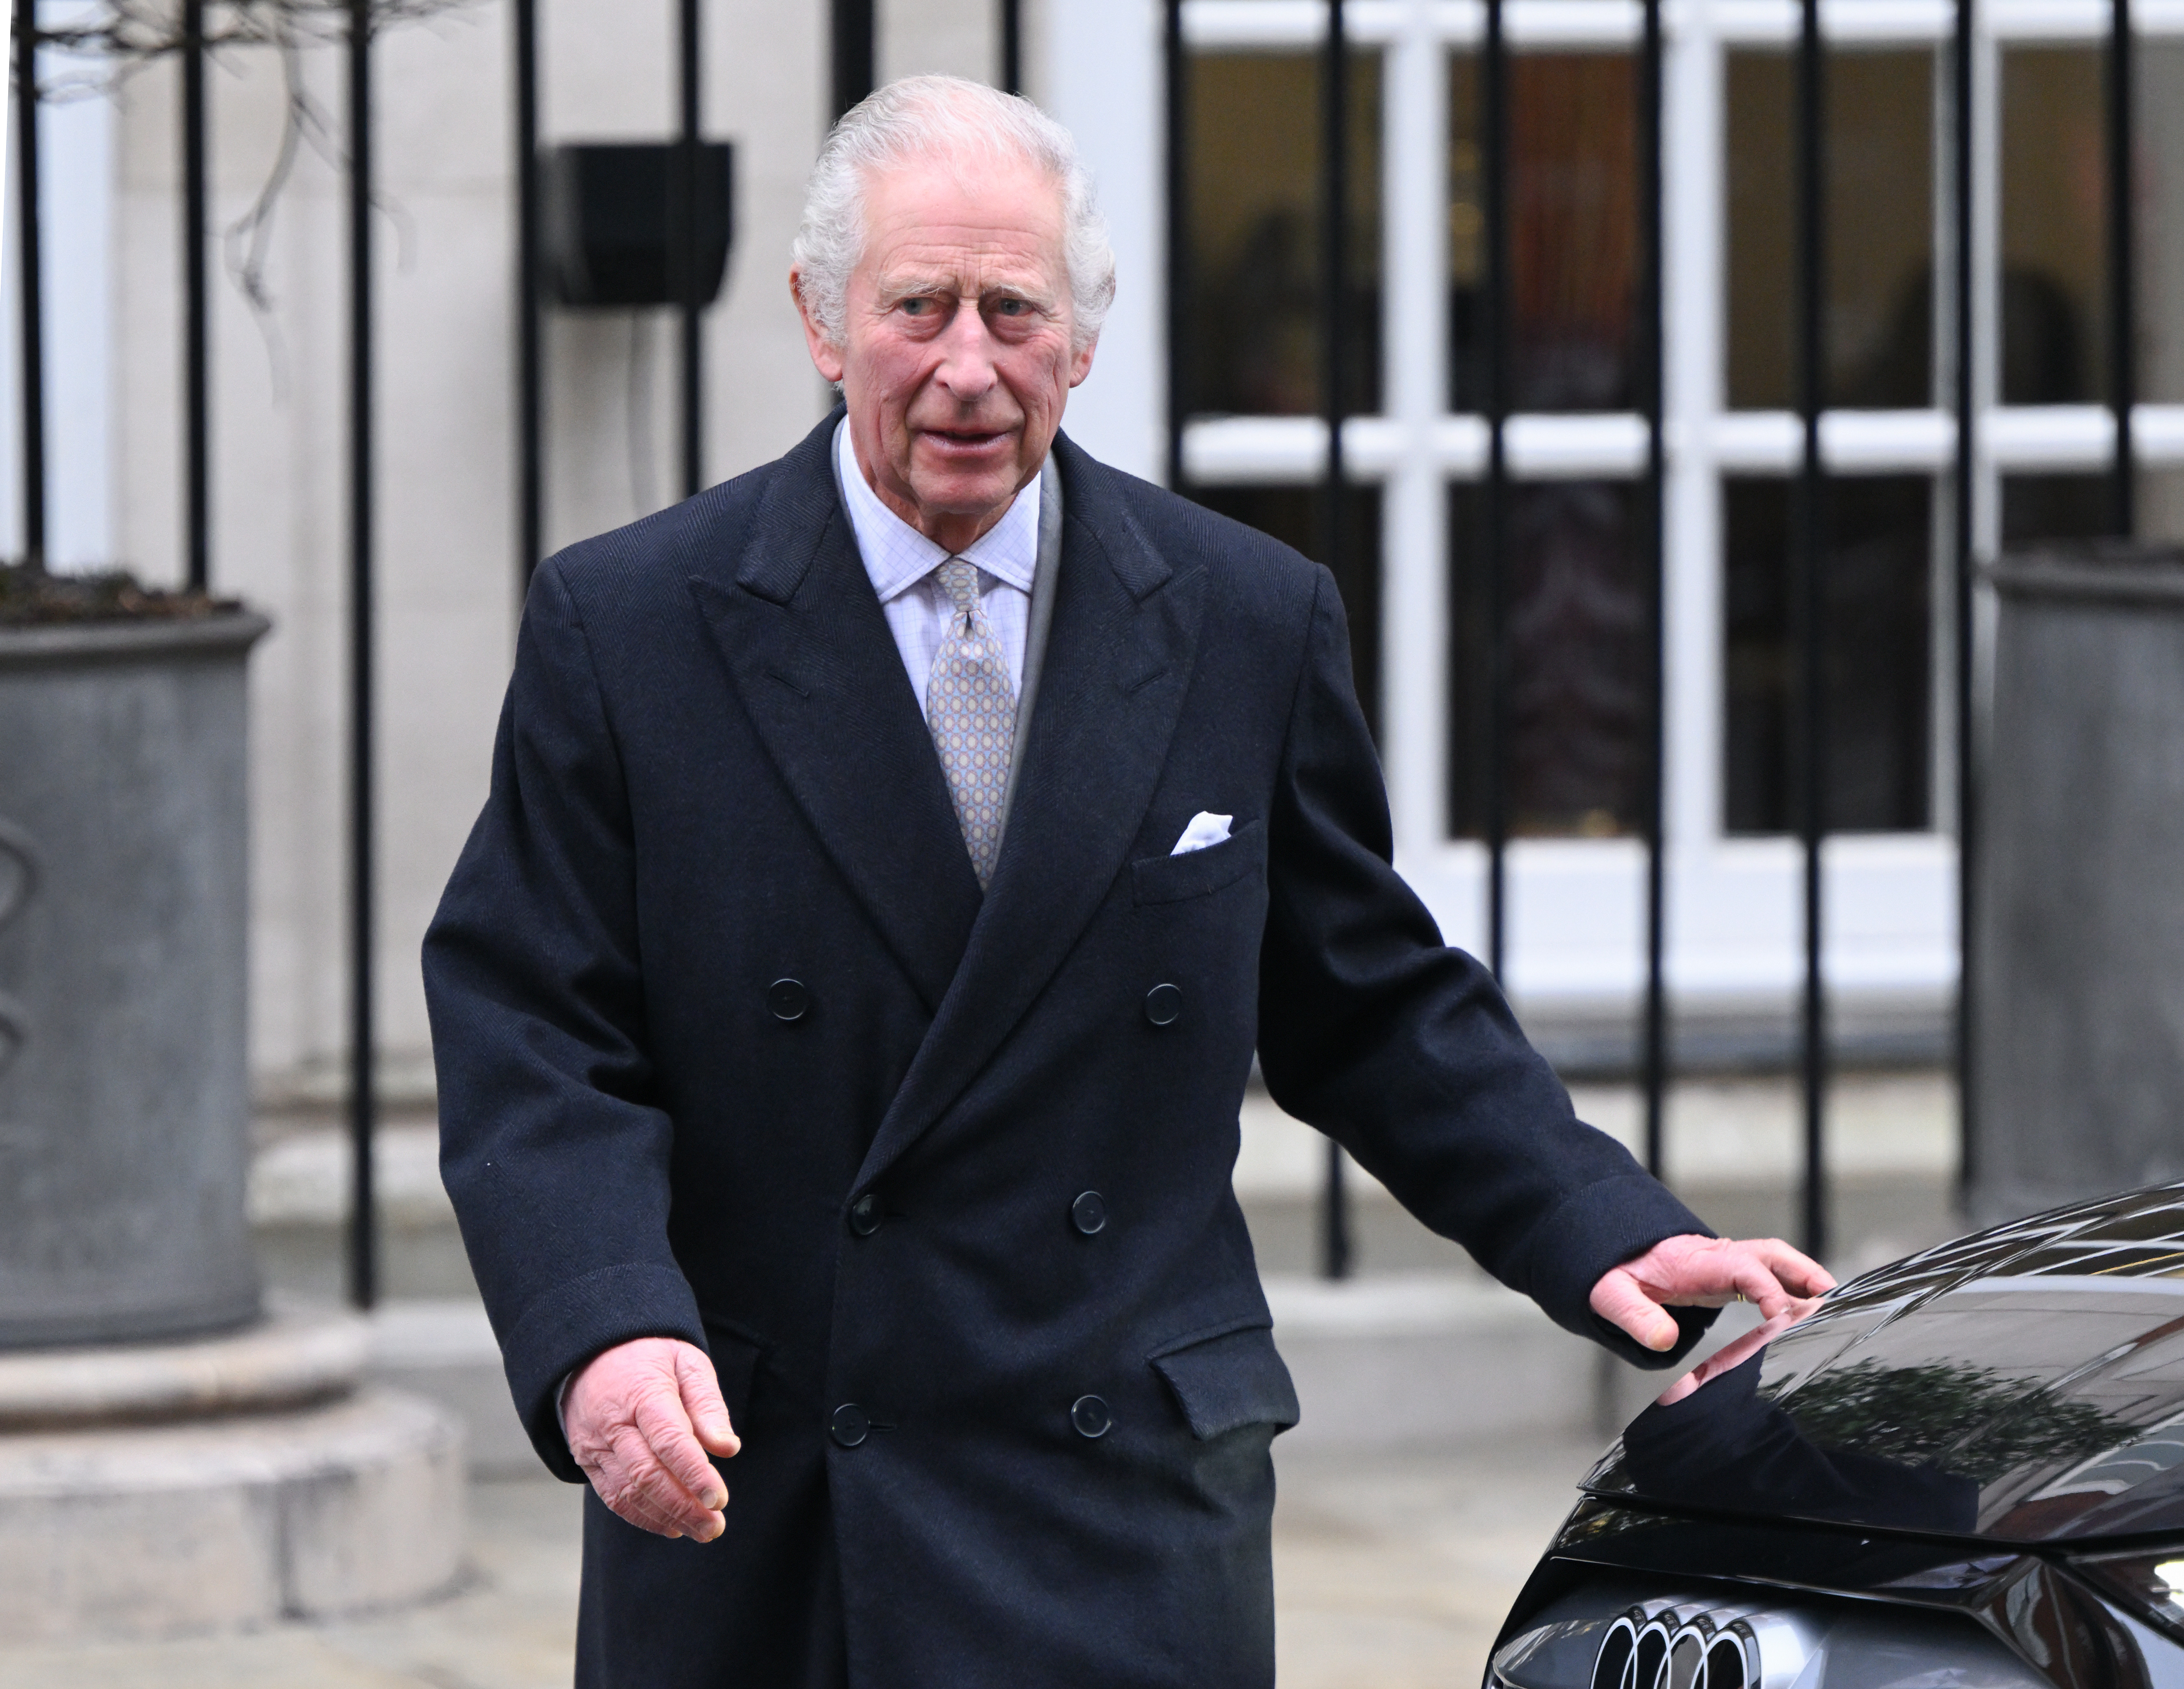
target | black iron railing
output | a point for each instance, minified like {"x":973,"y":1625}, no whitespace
{"x":1808,"y":604}
{"x":1653,"y":391}
{"x":690,"y":312}
{"x":30,"y":262}
{"x":1334,"y":504}
{"x":852,"y":77}
{"x":197,"y":304}
{"x":364,"y":914}
{"x":1964,"y":397}
{"x":1808,"y":531}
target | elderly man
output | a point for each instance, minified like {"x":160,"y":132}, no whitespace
{"x":894,"y":858}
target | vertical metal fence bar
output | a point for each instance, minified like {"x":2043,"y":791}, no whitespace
{"x":530,"y":405}
{"x":1334,"y":370}
{"x":1494,"y":324}
{"x":197,"y":218}
{"x":689,"y":310}
{"x":363,"y":1100}
{"x":1808,"y":542}
{"x":853,"y":27}
{"x":1963,"y":492}
{"x":30,"y":281}
{"x":2123,"y":307}
{"x":1652,"y":385}
{"x":1176,"y":64}
{"x":1012,"y":47}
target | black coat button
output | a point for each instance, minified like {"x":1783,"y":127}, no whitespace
{"x":864,"y":1215}
{"x":788,"y":1000}
{"x":1163,"y":1004}
{"x":851,"y":1424}
{"x":1089,"y":1415}
{"x":1088,"y":1213}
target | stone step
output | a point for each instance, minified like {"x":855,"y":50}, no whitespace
{"x":443,"y":1349}
{"x":1721,"y":1132}
{"x":224,"y":1482}
{"x":1416,"y":1360}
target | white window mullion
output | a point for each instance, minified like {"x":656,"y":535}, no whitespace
{"x":1414,"y":596}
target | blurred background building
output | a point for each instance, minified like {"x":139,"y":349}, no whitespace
{"x":1503,"y":625}
{"x":1237,"y":354}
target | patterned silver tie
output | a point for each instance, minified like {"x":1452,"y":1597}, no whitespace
{"x":972,"y":709}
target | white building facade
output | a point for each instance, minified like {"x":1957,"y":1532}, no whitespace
{"x":447,"y":554}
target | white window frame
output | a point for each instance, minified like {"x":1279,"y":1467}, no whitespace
{"x":1576,"y":907}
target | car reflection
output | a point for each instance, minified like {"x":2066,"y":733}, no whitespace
{"x":1724,"y":1445}
{"x":2037,"y":1370}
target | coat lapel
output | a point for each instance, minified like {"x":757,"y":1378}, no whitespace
{"x":823,"y":683}
{"x":1118,"y":661}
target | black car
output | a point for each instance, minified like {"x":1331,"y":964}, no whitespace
{"x":1964,"y":1471}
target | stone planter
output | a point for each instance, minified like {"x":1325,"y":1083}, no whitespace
{"x":124,"y":1091}
{"x":2079,"y":1034}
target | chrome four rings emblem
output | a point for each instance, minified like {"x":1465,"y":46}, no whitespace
{"x":1686,"y":1645}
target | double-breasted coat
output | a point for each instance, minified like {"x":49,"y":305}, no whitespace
{"x":732,"y":1048}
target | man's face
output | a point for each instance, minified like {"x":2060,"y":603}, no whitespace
{"x":957,"y":358}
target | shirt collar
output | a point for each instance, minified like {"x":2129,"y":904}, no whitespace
{"x":897,"y":556}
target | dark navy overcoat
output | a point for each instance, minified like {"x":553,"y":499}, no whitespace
{"x":859,"y":1192}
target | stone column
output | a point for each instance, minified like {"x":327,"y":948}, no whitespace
{"x":2080,"y":956}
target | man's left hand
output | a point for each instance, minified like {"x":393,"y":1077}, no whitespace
{"x":1706,"y":1272}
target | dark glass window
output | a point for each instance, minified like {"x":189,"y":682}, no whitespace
{"x":1575,"y":620}
{"x":1253,"y":271}
{"x":1253,"y":265}
{"x":1877,"y":660}
{"x":1292,"y":516}
{"x":1879,"y":135}
{"x":2161,"y":504}
{"x":2160,"y":233}
{"x":1573,"y":231}
{"x":2037,"y":507}
{"x":2053,"y":223}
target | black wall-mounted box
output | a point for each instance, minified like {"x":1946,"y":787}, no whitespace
{"x":608,"y":212}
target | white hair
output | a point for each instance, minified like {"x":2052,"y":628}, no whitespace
{"x":951,"y":119}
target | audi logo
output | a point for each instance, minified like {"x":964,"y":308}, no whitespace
{"x":1686,"y":1645}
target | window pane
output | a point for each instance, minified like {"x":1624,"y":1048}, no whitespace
{"x":2052,"y":226}
{"x":1760,"y":296}
{"x":2161,"y":504}
{"x":1254,"y":262}
{"x":2043,"y":507}
{"x":2160,"y":233}
{"x":2037,"y":507}
{"x":1292,"y":516}
{"x":1576,"y":626}
{"x":1877,"y":610}
{"x":1573,"y":235}
{"x":1878,"y":134}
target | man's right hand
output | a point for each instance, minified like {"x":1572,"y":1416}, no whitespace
{"x":641,"y":1418}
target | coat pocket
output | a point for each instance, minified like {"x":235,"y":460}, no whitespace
{"x":1196,"y":873}
{"x":735,"y":1352}
{"x":1227,"y":1381}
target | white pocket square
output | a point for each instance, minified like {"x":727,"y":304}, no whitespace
{"x":1205,"y":829}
